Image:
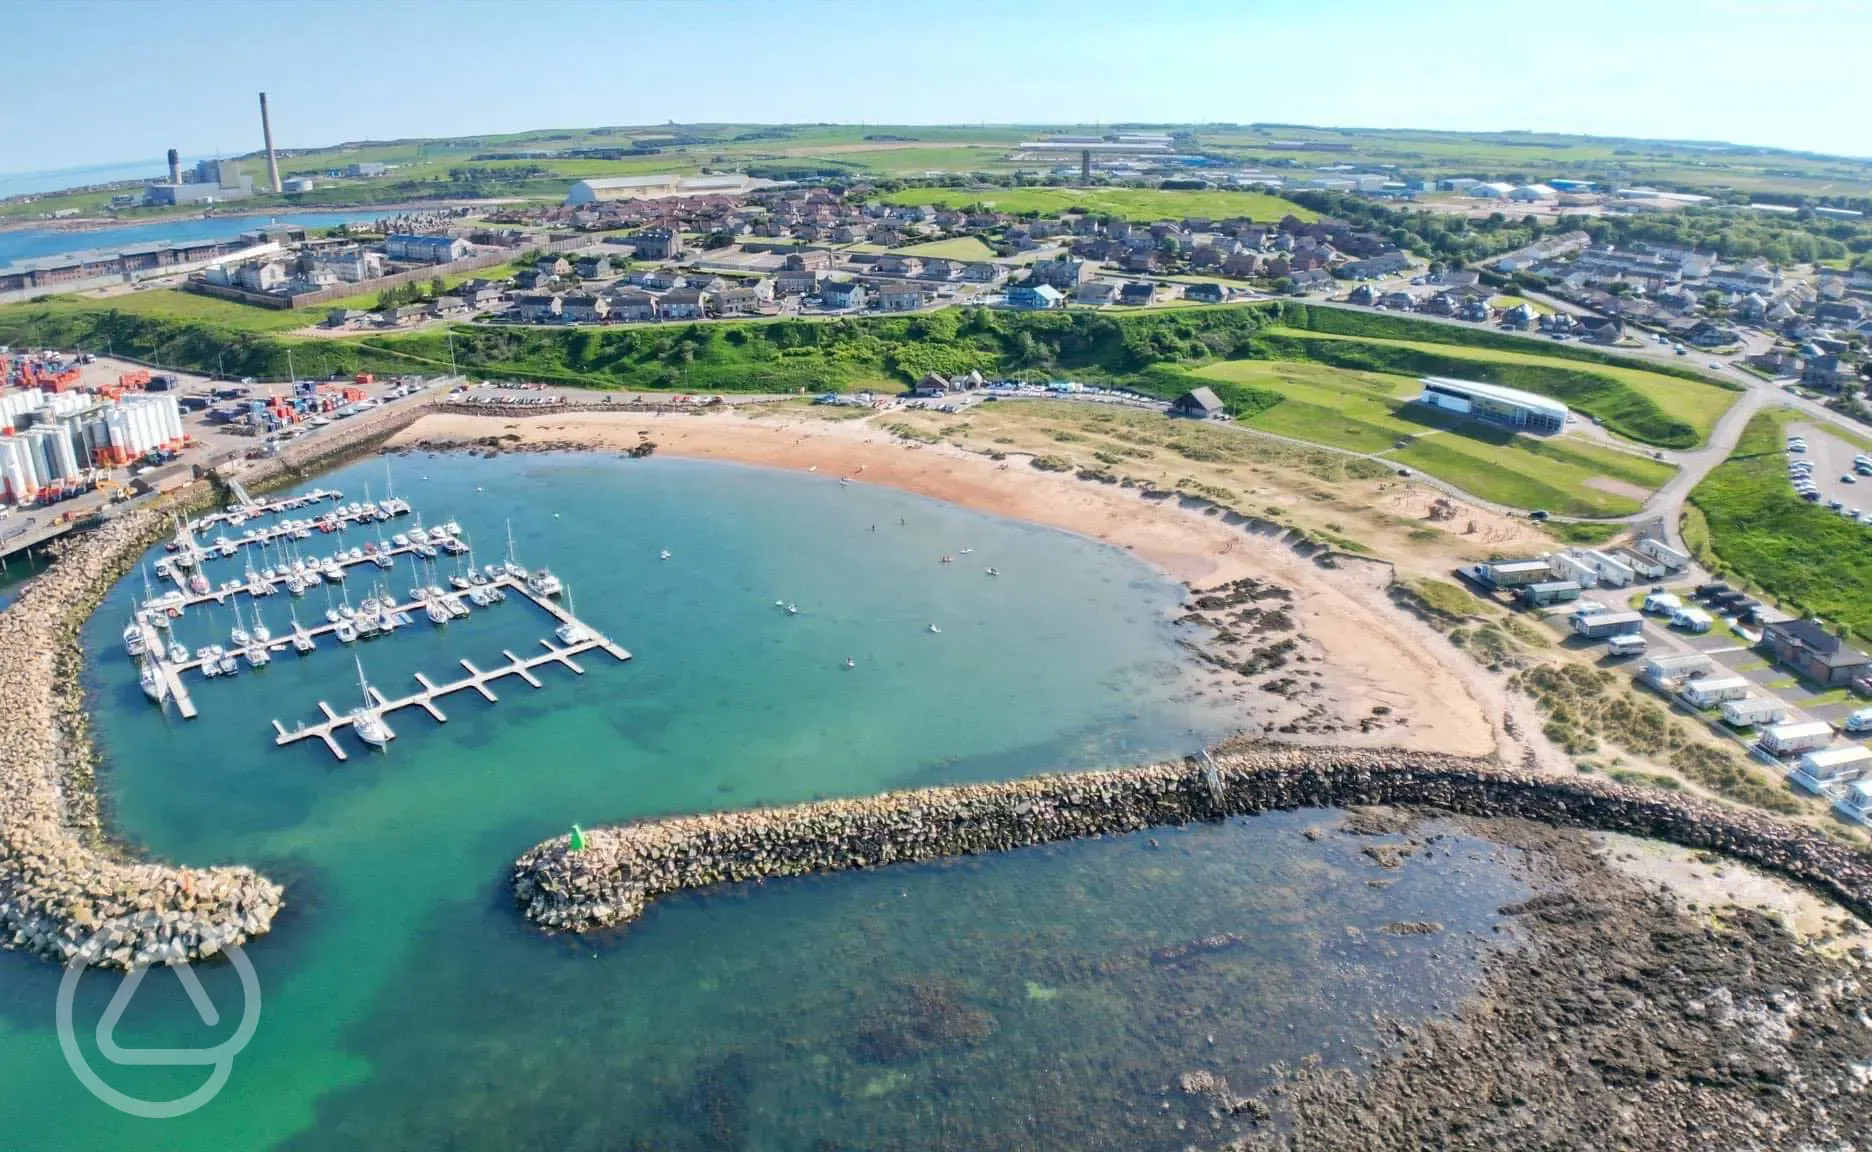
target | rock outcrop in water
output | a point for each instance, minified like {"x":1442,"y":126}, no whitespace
{"x":622,"y":869}
{"x":63,"y":891}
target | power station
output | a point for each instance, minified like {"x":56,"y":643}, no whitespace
{"x":266,"y":130}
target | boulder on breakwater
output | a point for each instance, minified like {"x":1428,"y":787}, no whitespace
{"x":620,"y":870}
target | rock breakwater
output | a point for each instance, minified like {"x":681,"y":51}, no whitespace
{"x":619,"y":871}
{"x":62,"y":891}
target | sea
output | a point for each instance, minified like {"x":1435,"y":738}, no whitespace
{"x":33,"y":243}
{"x":1045,"y":998}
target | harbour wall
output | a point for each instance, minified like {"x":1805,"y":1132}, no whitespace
{"x":65,"y":890}
{"x":619,"y":871}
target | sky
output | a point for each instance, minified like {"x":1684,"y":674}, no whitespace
{"x":127,"y":79}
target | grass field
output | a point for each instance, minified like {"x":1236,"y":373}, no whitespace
{"x":1133,"y":203}
{"x":1369,"y":412}
{"x":914,"y":161}
{"x":1807,"y":558}
{"x":960,"y":248}
{"x":1700,"y":405}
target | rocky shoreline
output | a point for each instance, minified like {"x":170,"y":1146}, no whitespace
{"x":64,"y":891}
{"x":619,"y":871}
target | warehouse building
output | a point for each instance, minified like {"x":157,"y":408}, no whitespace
{"x":1505,"y":407}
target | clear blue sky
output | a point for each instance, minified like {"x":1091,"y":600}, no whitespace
{"x":89,"y":82}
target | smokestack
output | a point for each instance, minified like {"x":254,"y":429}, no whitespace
{"x":266,"y":127}
{"x":175,"y":167}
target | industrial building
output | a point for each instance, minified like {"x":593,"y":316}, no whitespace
{"x":48,"y":440}
{"x":603,"y":189}
{"x":1504,"y":407}
{"x":212,"y":182}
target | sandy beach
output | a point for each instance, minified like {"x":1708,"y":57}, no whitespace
{"x":1377,"y":655}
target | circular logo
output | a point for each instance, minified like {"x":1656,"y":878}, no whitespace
{"x":220,"y":1057}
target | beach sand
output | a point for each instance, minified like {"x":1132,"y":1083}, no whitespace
{"x":1378,"y":655}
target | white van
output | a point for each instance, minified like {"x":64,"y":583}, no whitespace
{"x":1860,"y":721}
{"x":1630,"y":644}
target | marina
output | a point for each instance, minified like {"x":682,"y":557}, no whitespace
{"x":166,"y":666}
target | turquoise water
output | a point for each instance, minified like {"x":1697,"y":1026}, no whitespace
{"x":1006,"y":1002}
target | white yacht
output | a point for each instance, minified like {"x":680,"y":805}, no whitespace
{"x":455,"y":606}
{"x":178,"y":654}
{"x":346,"y":632}
{"x":154,"y":686}
{"x":365,"y":721}
{"x":257,"y":656}
{"x":571,"y":632}
{"x":133,"y":639}
{"x":438,"y":614}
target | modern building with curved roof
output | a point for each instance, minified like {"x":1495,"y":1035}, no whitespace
{"x":1505,"y":407}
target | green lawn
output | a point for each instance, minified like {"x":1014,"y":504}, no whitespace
{"x":960,"y":248}
{"x":1699,"y":405}
{"x":1133,"y":203}
{"x":916,"y":161}
{"x":1369,"y":412}
{"x":1808,"y":558}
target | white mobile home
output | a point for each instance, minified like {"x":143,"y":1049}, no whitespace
{"x":1645,"y":567}
{"x":1713,"y":690}
{"x":1612,"y":571}
{"x":1787,"y":739}
{"x":1664,"y":554}
{"x":1567,"y":567}
{"x":1692,"y":620}
{"x":1666,"y":672}
{"x":1513,"y":573}
{"x":1856,"y":802}
{"x":1753,"y":711}
{"x":1816,"y":771}
{"x":1599,"y":625}
{"x":1663,"y":602}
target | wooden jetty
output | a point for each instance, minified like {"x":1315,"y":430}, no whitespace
{"x":476,"y":680}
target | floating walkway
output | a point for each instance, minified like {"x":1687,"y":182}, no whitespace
{"x":477,"y":680}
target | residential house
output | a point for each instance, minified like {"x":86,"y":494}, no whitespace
{"x":1137,"y":294}
{"x":1388,"y":264}
{"x":633,"y":306}
{"x":1034,"y":297}
{"x":808,"y":259}
{"x":1206,"y":293}
{"x":584,"y":308}
{"x":1601,"y":330}
{"x":683,"y":304}
{"x":896,"y":297}
{"x":1474,"y":308}
{"x":1095,"y":292}
{"x":1244,"y":265}
{"x":1708,"y":334}
{"x":424,"y":249}
{"x":844,"y":234}
{"x":529,"y":278}
{"x":593,"y":268}
{"x":840,"y":294}
{"x":889,"y":265}
{"x":1141,"y":261}
{"x":403,"y":315}
{"x":1828,"y":373}
{"x":1844,"y":312}
{"x":448,"y":306}
{"x":659,"y":279}
{"x":981,"y":272}
{"x":657,"y":243}
{"x":1816,"y":654}
{"x":739,"y":302}
{"x":553,"y":267}
{"x":1521,"y":318}
{"x":1064,"y":275}
{"x":1363,"y":295}
{"x":797,"y":282}
{"x":932,"y":384}
{"x":1776,"y":363}
{"x":938,"y":270}
{"x":261,"y":276}
{"x":345,"y":318}
{"x":538,"y":308}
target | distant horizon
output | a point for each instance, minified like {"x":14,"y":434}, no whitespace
{"x":1612,"y":69}
{"x":159,"y":163}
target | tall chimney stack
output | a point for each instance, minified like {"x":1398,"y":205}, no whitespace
{"x":175,"y":166}
{"x":266,"y":127}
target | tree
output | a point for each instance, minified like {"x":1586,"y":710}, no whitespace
{"x":436,"y":287}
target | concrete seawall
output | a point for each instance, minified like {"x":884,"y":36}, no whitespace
{"x":64,"y":889}
{"x":614,"y":878}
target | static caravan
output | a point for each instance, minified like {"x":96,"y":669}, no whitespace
{"x":1713,"y":690}
{"x":1567,"y":567}
{"x":1663,"y":602}
{"x":1644,"y":566}
{"x":1548,"y":592}
{"x":1664,"y":554}
{"x":1599,"y":625}
{"x":1856,"y":802}
{"x":1612,"y":571}
{"x":1817,"y":770}
{"x":1514,"y":573}
{"x":1629,"y":644}
{"x":1665,"y":672}
{"x":1860,"y":721}
{"x":1787,"y":739}
{"x":1753,"y":711}
{"x":1692,"y":620}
